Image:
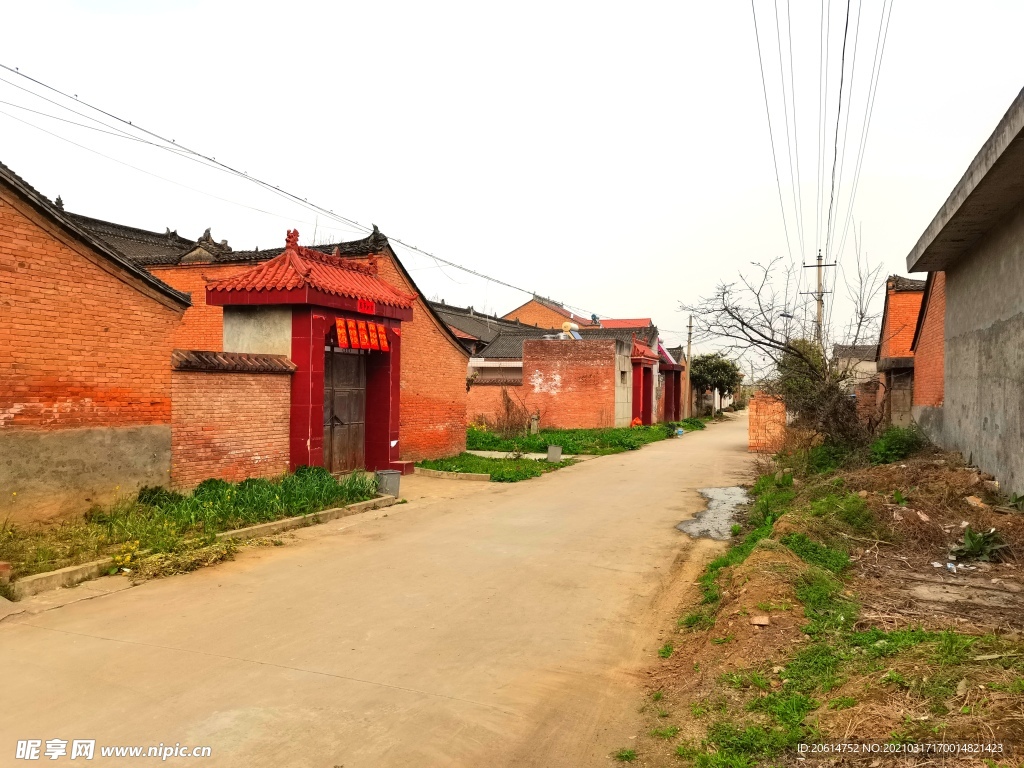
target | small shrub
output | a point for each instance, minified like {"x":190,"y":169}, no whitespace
{"x":822,"y":459}
{"x":665,"y":651}
{"x":736,"y":529}
{"x":625,"y":755}
{"x":982,"y":546}
{"x":896,"y":443}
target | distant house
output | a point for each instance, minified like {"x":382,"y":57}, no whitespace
{"x":929,"y":347}
{"x":973,"y":251}
{"x":895,"y":358}
{"x":85,"y":381}
{"x":606,"y":378}
{"x":433,"y":379}
{"x":545,"y":313}
{"x":473,"y":329}
{"x":856,"y":362}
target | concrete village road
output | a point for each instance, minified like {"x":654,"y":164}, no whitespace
{"x":477,"y":625}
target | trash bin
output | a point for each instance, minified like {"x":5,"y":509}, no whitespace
{"x":554,"y":453}
{"x":388,"y":481}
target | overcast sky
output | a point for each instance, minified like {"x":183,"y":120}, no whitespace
{"x":612,"y":156}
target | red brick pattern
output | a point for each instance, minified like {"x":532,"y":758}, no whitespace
{"x":203,"y":324}
{"x":767,"y":427}
{"x":433,"y":375}
{"x":432,"y":422}
{"x":900,"y":321}
{"x":929,"y":357}
{"x":570,"y":383}
{"x":228,"y":425}
{"x":85,"y":343}
{"x":867,"y":399}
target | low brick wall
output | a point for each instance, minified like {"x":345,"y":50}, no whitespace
{"x":228,"y":424}
{"x":767,"y":427}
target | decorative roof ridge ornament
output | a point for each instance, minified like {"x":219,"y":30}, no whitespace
{"x":292,"y":254}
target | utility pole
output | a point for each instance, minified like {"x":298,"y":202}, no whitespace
{"x":689,"y":381}
{"x":819,"y":298}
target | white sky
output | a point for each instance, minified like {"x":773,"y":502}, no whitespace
{"x":612,"y":156}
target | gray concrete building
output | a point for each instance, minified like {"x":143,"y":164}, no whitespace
{"x":977,"y":238}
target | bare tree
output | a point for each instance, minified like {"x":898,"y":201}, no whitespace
{"x":764,"y":314}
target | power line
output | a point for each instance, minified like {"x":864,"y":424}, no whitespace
{"x":849,"y":110}
{"x":188,"y":153}
{"x":876,"y":72}
{"x":835,"y":148}
{"x":771,"y":136}
{"x":794,"y":178}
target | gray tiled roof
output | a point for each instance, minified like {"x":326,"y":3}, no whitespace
{"x":98,"y":244}
{"x":483,"y":327}
{"x":855,"y":351}
{"x":900,"y":283}
{"x":140,"y":245}
{"x":508,"y":344}
{"x":234,"y":362}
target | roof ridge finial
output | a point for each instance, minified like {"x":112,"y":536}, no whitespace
{"x":58,"y":203}
{"x":292,"y":239}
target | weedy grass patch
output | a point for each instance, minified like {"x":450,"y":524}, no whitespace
{"x":576,"y":441}
{"x":500,"y":470}
{"x":158,"y":521}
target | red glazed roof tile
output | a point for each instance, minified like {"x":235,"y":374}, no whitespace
{"x":299,"y":267}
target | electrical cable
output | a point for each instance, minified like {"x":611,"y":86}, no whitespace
{"x":771,"y":136}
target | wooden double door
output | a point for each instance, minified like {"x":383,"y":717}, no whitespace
{"x":344,"y":410}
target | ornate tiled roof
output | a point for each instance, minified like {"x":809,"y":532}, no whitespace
{"x":300,"y":267}
{"x":140,"y":245}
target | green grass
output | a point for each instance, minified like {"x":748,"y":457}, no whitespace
{"x":500,"y":470}
{"x":895,"y":443}
{"x":697,"y":620}
{"x":665,"y":651}
{"x":574,"y":441}
{"x":668,"y":732}
{"x":625,"y":755}
{"x":816,"y":554}
{"x":159,"y":521}
{"x":848,"y":508}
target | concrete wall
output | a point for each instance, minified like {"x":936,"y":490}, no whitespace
{"x":258,"y":330}
{"x":51,"y":474}
{"x":983,"y":410}
{"x":623,"y":388}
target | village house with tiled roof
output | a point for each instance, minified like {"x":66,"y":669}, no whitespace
{"x":545,"y":313}
{"x":85,"y":389}
{"x":433,"y":376}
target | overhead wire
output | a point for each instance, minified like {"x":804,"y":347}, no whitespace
{"x":790,"y":138}
{"x":771,"y":135}
{"x":835,"y":147}
{"x":185,"y":151}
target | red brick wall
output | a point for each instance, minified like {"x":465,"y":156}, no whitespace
{"x":433,"y":407}
{"x":203,"y":324}
{"x":535,"y":313}
{"x":900,"y":321}
{"x":85,"y":344}
{"x":929,"y":357}
{"x":228,"y":425}
{"x":432,"y":422}
{"x":570,"y":383}
{"x":767,"y":427}
{"x":867,"y":399}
